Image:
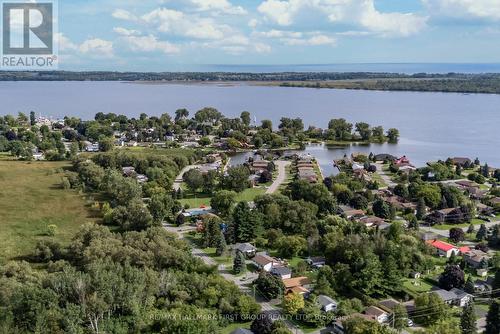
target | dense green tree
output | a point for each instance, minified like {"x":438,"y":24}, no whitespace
{"x":452,"y":277}
{"x":269,"y":286}
{"x":239,"y":263}
{"x":223,"y":201}
{"x":493,"y":318}
{"x":468,"y":319}
{"x":193,"y":179}
{"x":430,"y":308}
{"x":290,"y":246}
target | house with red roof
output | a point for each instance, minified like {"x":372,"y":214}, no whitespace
{"x":443,"y":248}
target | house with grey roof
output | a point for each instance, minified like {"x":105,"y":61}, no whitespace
{"x":327,"y":304}
{"x":282,"y":272}
{"x":248,"y":249}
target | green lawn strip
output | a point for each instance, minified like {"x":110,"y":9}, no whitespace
{"x":219,"y":259}
{"x":379,"y":179}
{"x":474,"y":221}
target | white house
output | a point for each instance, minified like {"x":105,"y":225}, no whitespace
{"x":378,"y":314}
{"x":265,"y":262}
{"x":327,"y":304}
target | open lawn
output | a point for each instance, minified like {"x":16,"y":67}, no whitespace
{"x":30,"y":200}
{"x":199,"y":200}
{"x":230,"y":328}
{"x":474,"y":221}
{"x":416,"y":286}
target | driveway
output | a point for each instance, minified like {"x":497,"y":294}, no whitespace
{"x":384,"y":175}
{"x":280,"y":178}
{"x":178,"y":179}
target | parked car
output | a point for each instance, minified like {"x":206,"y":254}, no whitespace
{"x":409,"y":322}
{"x":485,"y":218}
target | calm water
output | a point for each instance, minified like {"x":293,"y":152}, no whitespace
{"x":432,"y":125}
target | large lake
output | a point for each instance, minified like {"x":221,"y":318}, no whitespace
{"x":432,"y":125}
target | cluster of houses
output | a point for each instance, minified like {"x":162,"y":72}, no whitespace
{"x":301,"y":285}
{"x":305,"y":168}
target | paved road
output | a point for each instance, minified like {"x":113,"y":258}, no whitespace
{"x":178,"y":179}
{"x":281,"y":176}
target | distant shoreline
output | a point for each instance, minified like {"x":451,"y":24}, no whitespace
{"x":420,"y":82}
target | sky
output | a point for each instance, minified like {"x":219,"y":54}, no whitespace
{"x":156,"y":35}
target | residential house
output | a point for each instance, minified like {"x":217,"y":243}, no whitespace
{"x":484,"y":209}
{"x":495,"y":202}
{"x":454,"y":296}
{"x":446,"y":296}
{"x":308,"y":174}
{"x":258,"y":166}
{"x":316,"y":261}
{"x":372,"y":221}
{"x":458,"y":161}
{"x":443,"y":248}
{"x":443,"y":215}
{"x":466,"y":184}
{"x":475,"y":258}
{"x":247,"y":249}
{"x":377,"y":313}
{"x":350,"y":214}
{"x":389,"y":304}
{"x":327,"y":304}
{"x":301,"y":285}
{"x":484,"y":284}
{"x":462,"y":298}
{"x":282,"y":272}
{"x":266,"y":262}
{"x":384,"y":157}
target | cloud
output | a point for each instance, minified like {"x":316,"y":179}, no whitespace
{"x":360,"y":13}
{"x":149,"y":43}
{"x":219,"y":6}
{"x":123,"y":14}
{"x":94,"y":47}
{"x":297,"y":37}
{"x":97,"y":47}
{"x":126,"y":32}
{"x":467,"y":9}
{"x":176,"y":22}
{"x":65,"y":44}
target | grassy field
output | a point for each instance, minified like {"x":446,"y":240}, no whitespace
{"x":199,"y":200}
{"x":474,"y":221}
{"x":30,"y":200}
